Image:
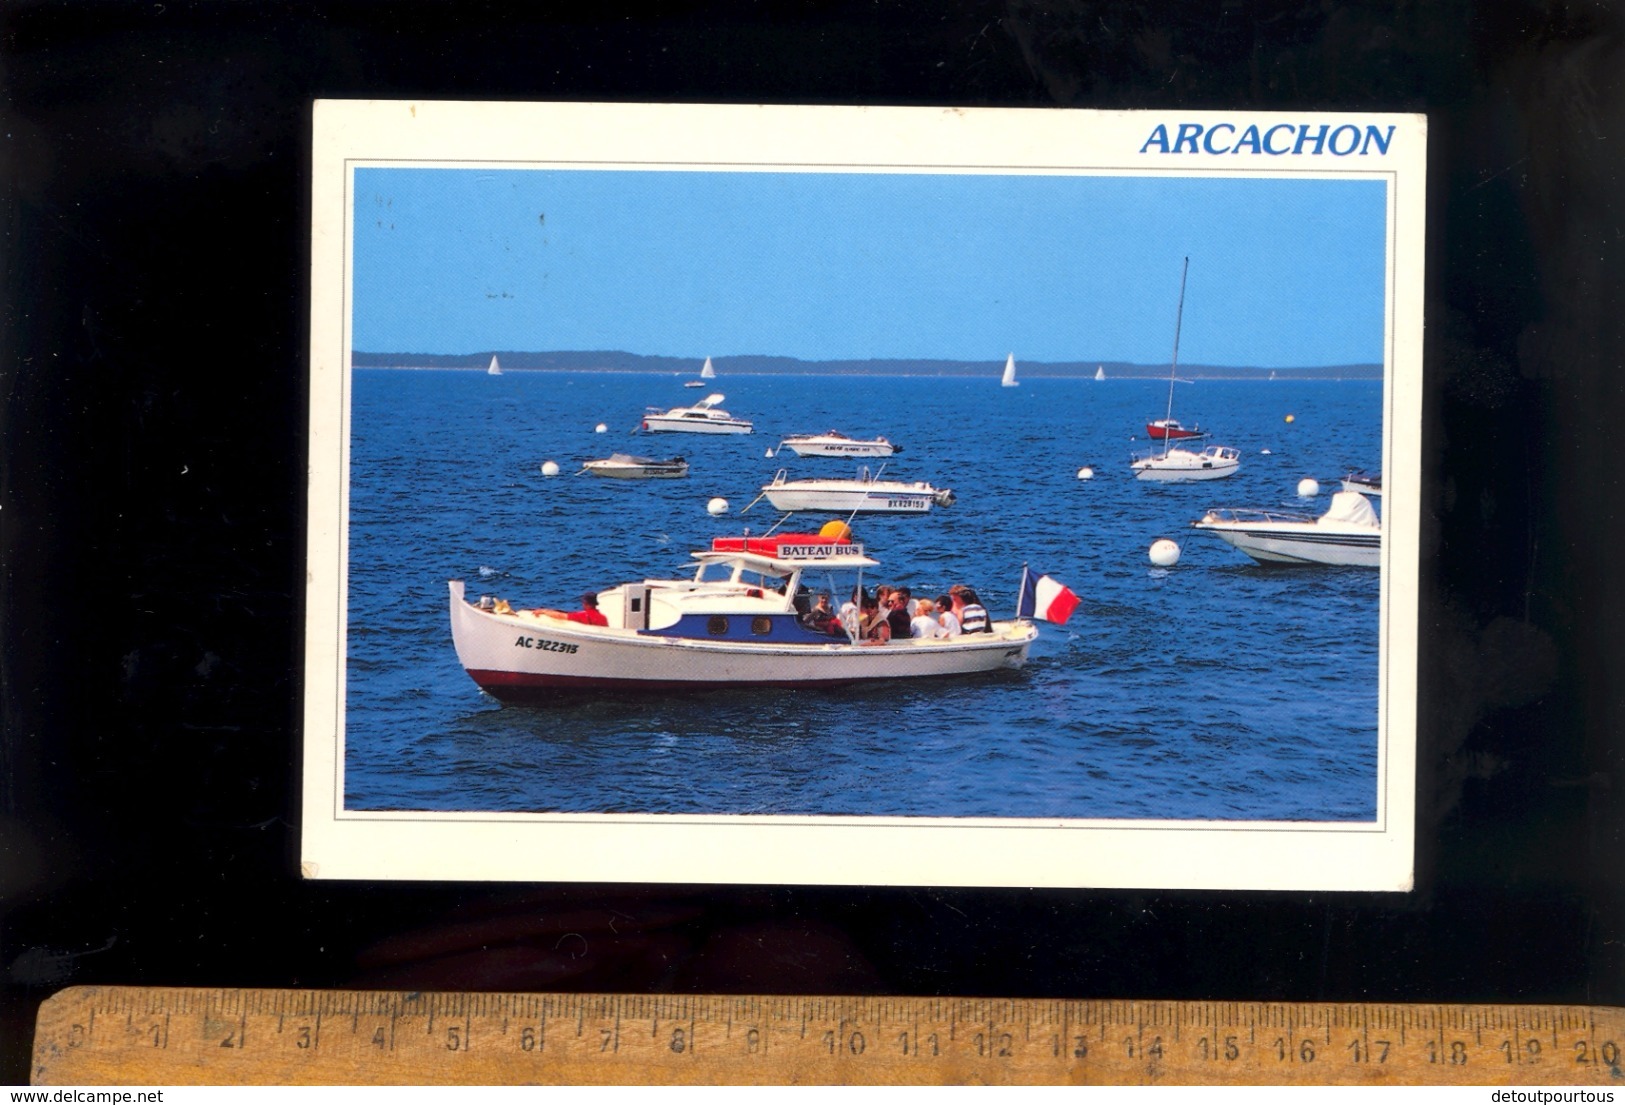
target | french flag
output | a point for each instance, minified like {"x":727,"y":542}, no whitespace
{"x":1043,"y":597}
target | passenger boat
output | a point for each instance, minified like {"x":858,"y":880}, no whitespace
{"x":1349,"y":533}
{"x":1366,"y":483}
{"x":865,"y":495}
{"x":738,"y":622}
{"x":836,"y":444}
{"x":624,"y":466}
{"x":1174,"y":464}
{"x":704,"y":417}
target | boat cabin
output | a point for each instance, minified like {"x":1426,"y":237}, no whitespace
{"x":744,"y":588}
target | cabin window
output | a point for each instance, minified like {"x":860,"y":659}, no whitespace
{"x":761,"y":626}
{"x":637,"y":604}
{"x":717,"y":626}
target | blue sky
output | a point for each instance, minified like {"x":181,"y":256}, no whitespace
{"x":860,"y":265}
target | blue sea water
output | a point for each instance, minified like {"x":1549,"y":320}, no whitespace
{"x":1217,"y":689}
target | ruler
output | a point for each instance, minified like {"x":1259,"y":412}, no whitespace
{"x":148,"y":1036}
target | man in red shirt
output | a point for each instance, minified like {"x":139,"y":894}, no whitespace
{"x":587,"y":615}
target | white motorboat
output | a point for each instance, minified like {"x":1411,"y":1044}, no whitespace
{"x":1366,"y":483}
{"x":624,"y":466}
{"x":740,"y":621}
{"x":494,"y":369}
{"x":1009,"y":378}
{"x":704,"y":417}
{"x":1173,"y":463}
{"x":836,"y":444}
{"x":864,"y":495}
{"x":1349,"y":533}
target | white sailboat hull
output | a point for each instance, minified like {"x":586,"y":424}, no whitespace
{"x":517,"y":658}
{"x":1183,"y":466}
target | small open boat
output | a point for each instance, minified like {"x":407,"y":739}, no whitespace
{"x":624,"y":466}
{"x":704,"y":417}
{"x":865,"y":495}
{"x":1349,"y":533}
{"x":742,"y":620}
{"x":836,"y":444}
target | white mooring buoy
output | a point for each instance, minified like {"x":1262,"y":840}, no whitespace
{"x":600,"y":429}
{"x":1164,"y":553}
{"x":550,"y":468}
{"x":718,"y":505}
{"x":1086,"y":473}
{"x":1308,"y":488}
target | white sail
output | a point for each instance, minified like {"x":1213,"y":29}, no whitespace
{"x":1100,"y":372}
{"x":708,"y":373}
{"x":495,"y":369}
{"x":1009,"y":380}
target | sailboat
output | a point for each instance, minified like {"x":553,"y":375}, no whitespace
{"x":495,"y":369}
{"x":706,"y":373}
{"x":1100,"y":372}
{"x":1009,"y":380}
{"x":1174,"y":464}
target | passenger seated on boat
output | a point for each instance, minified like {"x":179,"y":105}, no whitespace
{"x":875,"y":628}
{"x":972,"y":614}
{"x":897,"y":614}
{"x":587,"y":615}
{"x":947,"y":620}
{"x":820,"y":618}
{"x":924,"y":623}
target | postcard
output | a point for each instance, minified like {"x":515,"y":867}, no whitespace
{"x":880,"y":496}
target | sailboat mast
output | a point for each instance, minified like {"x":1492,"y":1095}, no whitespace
{"x":1173,"y":369}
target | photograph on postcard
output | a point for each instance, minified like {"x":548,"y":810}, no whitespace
{"x":863,"y":495}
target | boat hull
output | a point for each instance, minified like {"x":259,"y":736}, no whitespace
{"x":1159,"y":473}
{"x":519,"y":659}
{"x":655,"y":424}
{"x":1307,"y":544}
{"x":851,"y":501}
{"x":840,"y":449}
{"x":628,"y":472}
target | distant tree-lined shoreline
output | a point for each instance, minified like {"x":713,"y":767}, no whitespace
{"x":753,"y":364}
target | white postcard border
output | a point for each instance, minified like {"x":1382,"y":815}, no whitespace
{"x":336,"y":843}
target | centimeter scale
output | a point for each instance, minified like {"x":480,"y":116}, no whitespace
{"x":137,"y":1036}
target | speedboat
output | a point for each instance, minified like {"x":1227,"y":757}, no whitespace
{"x":1349,"y":533}
{"x":865,"y":495}
{"x":836,"y":444}
{"x":739,"y":621}
{"x":624,"y":466}
{"x":704,"y":417}
{"x":1173,"y":464}
{"x":1366,"y":483}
